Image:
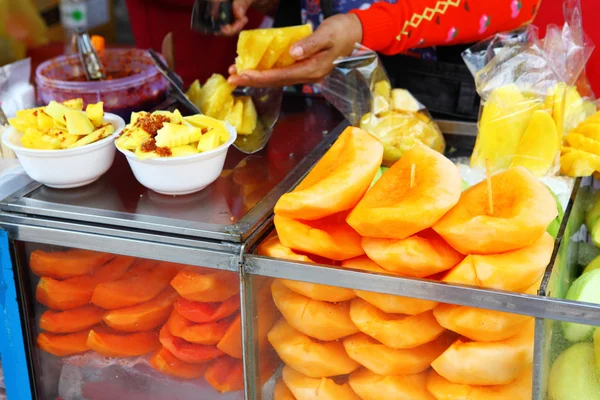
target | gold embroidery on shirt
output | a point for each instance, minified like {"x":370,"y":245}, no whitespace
{"x":427,"y":15}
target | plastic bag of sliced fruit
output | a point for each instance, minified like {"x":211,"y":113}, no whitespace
{"x":533,"y":91}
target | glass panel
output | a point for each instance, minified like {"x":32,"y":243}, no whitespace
{"x":105,"y":326}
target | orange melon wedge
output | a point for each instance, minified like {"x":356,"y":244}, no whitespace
{"x":281,"y":391}
{"x":206,"y":285}
{"x":77,"y":292}
{"x":382,"y":360}
{"x":186,"y":351}
{"x":420,"y":255}
{"x":70,"y":321}
{"x":207,"y":333}
{"x":165,"y":362}
{"x":63,"y":345}
{"x":318,"y":319}
{"x":487,"y":363}
{"x":397,"y":331}
{"x":67,"y":264}
{"x":111,"y":343}
{"x":370,"y":386}
{"x":443,"y":389}
{"x":135,"y":290}
{"x":338,"y":181}
{"x":523,"y":209}
{"x":207,"y":312}
{"x":308,"y":356}
{"x":480,"y":324}
{"x":303,"y":387}
{"x":143,"y":317}
{"x":392,"y":209}
{"x":515,"y":270}
{"x":387,"y":302}
{"x":330,"y":237}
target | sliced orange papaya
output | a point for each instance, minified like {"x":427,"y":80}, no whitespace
{"x":303,"y":387}
{"x":382,"y":360}
{"x":338,"y":181}
{"x":480,"y":324}
{"x":318,"y":319}
{"x":143,"y":317}
{"x":111,"y":343}
{"x":281,"y":391}
{"x":387,"y":302}
{"x":487,"y":363}
{"x":207,"y":333}
{"x":69,"y":321}
{"x":135,"y":290}
{"x":397,"y":331}
{"x":67,"y":264}
{"x":165,"y":362}
{"x":523,"y":209}
{"x":394,"y":209}
{"x":186,"y":351}
{"x":78,"y":291}
{"x":63,"y":345}
{"x":420,"y":255}
{"x":308,"y":356}
{"x":272,"y":247}
{"x":515,"y":270}
{"x":370,"y":386}
{"x":207,"y":312}
{"x":443,"y":389}
{"x":206,"y":285}
{"x":330,"y":237}
{"x":226,"y":374}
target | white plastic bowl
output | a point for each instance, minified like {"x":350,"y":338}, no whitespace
{"x":68,"y":168}
{"x":181,"y":175}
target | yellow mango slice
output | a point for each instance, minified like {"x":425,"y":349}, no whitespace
{"x":94,"y":136}
{"x":34,"y":139}
{"x":78,"y":123}
{"x":539,"y":145}
{"x":74,"y":104}
{"x":95,"y":113}
{"x":44,"y":121}
{"x":251,"y":47}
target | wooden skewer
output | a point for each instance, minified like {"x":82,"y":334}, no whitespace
{"x":489,"y":187}
{"x":413,"y":168}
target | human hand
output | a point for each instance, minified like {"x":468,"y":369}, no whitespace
{"x":240,"y":8}
{"x":315,"y":55}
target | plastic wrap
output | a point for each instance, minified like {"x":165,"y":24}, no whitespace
{"x":529,"y":92}
{"x":360,"y":89}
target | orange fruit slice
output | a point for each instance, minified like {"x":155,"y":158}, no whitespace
{"x":63,"y":345}
{"x":206,"y":285}
{"x":70,"y":321}
{"x":207,"y":333}
{"x":165,"y":362}
{"x":207,"y":312}
{"x":304,"y":387}
{"x":67,"y":264}
{"x":111,"y":343}
{"x":370,"y":386}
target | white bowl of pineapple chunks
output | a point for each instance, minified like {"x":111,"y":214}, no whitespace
{"x":63,"y":146}
{"x":175,"y":155}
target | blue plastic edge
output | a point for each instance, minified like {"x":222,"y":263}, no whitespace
{"x":12,"y":346}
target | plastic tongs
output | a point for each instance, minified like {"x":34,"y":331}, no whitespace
{"x":175,"y":81}
{"x":92,"y":65}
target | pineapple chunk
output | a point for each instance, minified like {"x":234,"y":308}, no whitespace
{"x":98,"y":134}
{"x":78,"y":123}
{"x":132,"y":139}
{"x":174,"y":117}
{"x":95,"y":113}
{"x":209,"y":87}
{"x":74,"y":104}
{"x":18,"y":124}
{"x":214,"y":103}
{"x":145,"y":155}
{"x":295,"y":34}
{"x":227,"y":107}
{"x":34,"y":139}
{"x":183,"y":151}
{"x":383,"y":88}
{"x":44,"y":121}
{"x":173,"y":135}
{"x":56,"y":111}
{"x":249,"y":117}
{"x":402,"y":100}
{"x":251,"y":47}
{"x":380,"y":104}
{"x":29,"y":116}
{"x":209,"y":141}
{"x":137,"y":115}
{"x":202,"y":121}
{"x":236,"y":115}
{"x":279,"y":45}
{"x":193,"y":93}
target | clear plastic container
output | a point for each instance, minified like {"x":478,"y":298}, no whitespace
{"x":136,"y":85}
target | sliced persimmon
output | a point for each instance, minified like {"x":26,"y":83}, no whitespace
{"x":69,"y":321}
{"x":395,"y":209}
{"x":487,"y":363}
{"x":397,"y":331}
{"x":206,"y":333}
{"x":330,"y":237}
{"x":206,"y":285}
{"x":515,"y":270}
{"x":226,"y":374}
{"x":303,"y":387}
{"x":420,"y":255}
{"x":523,"y":209}
{"x":201,"y":313}
{"x":383,"y":360}
{"x":318,"y":319}
{"x":143,"y":317}
{"x":111,"y":343}
{"x":78,"y":291}
{"x":67,"y":264}
{"x":63,"y":345}
{"x":370,"y":386}
{"x":281,"y":391}
{"x":309,"y":356}
{"x":186,"y":351}
{"x":338,"y":181}
{"x":480,"y":324}
{"x":135,"y":290}
{"x":165,"y":362}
